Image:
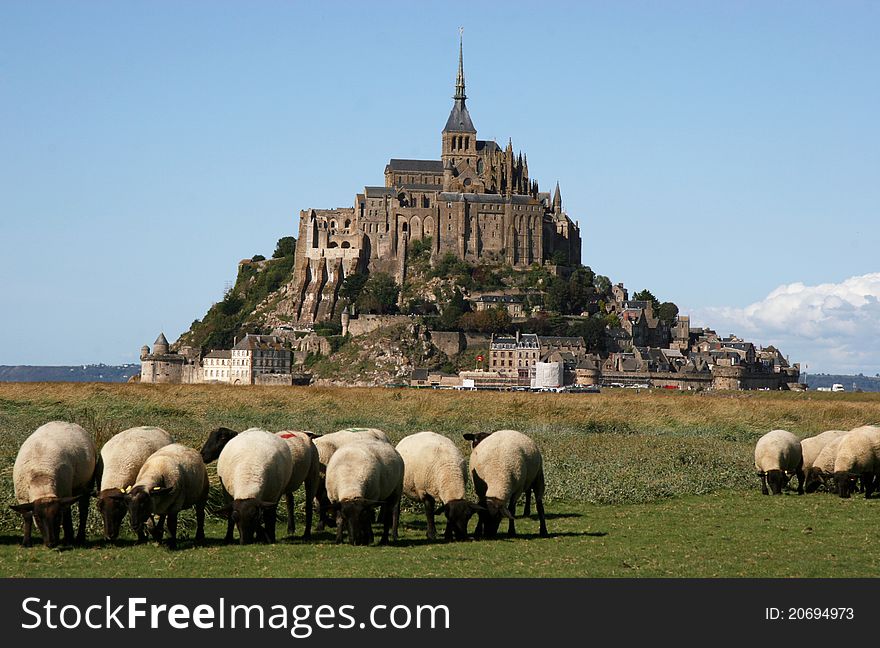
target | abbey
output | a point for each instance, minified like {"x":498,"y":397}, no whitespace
{"x":477,"y":202}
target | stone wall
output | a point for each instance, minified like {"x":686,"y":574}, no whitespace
{"x":285,"y":380}
{"x":364,"y":324}
{"x":449,"y":342}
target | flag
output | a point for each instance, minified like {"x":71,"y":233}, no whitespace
{"x":479,"y":358}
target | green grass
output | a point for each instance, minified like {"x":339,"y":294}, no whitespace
{"x":647,"y":484}
{"x":728,"y":534}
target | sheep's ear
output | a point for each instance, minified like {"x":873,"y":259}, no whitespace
{"x":313,"y":435}
{"x":160,"y":490}
{"x":22,"y":508}
{"x":469,"y":437}
{"x":477,"y":508}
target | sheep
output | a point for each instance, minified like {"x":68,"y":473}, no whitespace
{"x":435,"y":470}
{"x":122,"y":457}
{"x":172,"y":479}
{"x":54,"y":468}
{"x":327,"y":445}
{"x":858,"y":456}
{"x":504,"y":465}
{"x":779,"y":452}
{"x":822,"y":470}
{"x":254,"y":469}
{"x":306,"y":469}
{"x":215,"y":443}
{"x":812,"y":446}
{"x":360,"y":475}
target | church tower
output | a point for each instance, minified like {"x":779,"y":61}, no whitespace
{"x":459,"y":135}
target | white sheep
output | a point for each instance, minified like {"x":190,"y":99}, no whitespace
{"x":327,"y":444}
{"x":504,"y":465}
{"x":172,"y":479}
{"x":54,"y":468}
{"x":121,"y":459}
{"x":812,"y":446}
{"x":436,"y":471}
{"x":360,"y":475}
{"x":779,"y":452}
{"x":306,"y":472}
{"x":858,"y":457}
{"x":254,"y":469}
{"x":822,"y":471}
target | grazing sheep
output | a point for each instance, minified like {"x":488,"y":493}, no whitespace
{"x":327,"y":445}
{"x":858,"y":456}
{"x":172,"y":479}
{"x":122,"y":457}
{"x":812,"y":446}
{"x":306,"y":469}
{"x":215,"y":443}
{"x":821,"y":473}
{"x":504,"y":465}
{"x":361,"y":475}
{"x":435,"y":471}
{"x":55,"y":467}
{"x":254,"y":469}
{"x":779,"y":452}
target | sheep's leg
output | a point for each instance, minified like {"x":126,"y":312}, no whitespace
{"x":271,"y":517}
{"x":339,"y":526}
{"x":83,"y":508}
{"x":800,"y":478}
{"x":27,"y":520}
{"x":511,"y":527}
{"x":229,"y":525}
{"x":159,"y":529}
{"x":764,"y":490}
{"x":291,"y":519}
{"x":200,"y":523}
{"x":429,"y":514}
{"x":307,"y":534}
{"x":527,"y":508}
{"x":395,"y":518}
{"x":538,"y":487}
{"x":868,"y":481}
{"x":67,"y":523}
{"x":172,"y":530}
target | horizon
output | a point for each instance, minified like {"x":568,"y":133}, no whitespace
{"x":724,"y":157}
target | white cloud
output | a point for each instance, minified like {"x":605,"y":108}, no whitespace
{"x":830,"y":327}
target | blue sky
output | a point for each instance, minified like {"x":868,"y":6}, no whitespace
{"x":712,"y":152}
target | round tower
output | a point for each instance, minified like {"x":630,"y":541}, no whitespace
{"x":344,"y":318}
{"x":145,"y":351}
{"x":160,"y":346}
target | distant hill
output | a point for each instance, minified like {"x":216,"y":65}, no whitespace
{"x":850,"y":383}
{"x":78,"y":373}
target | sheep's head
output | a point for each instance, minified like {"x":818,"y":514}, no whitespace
{"x":492,"y":515}
{"x":776,"y":480}
{"x":215,"y":443}
{"x":111,"y":506}
{"x":476,"y":438}
{"x":141,"y":505}
{"x":814,"y":478}
{"x":356,"y":517}
{"x":48,"y":513}
{"x":247,"y":514}
{"x":458,"y":514}
{"x":846,"y":483}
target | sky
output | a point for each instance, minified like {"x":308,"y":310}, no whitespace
{"x":724,"y":155}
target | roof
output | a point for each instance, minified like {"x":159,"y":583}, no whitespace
{"x":459,"y":119}
{"x":505,"y":299}
{"x":491,"y":144}
{"x":161,"y":340}
{"x":551,"y":340}
{"x":433,"y":166}
{"x":378,"y":192}
{"x":419,"y":374}
{"x":251,"y":342}
{"x":225,"y":354}
{"x":419,"y":186}
{"x":486,"y":198}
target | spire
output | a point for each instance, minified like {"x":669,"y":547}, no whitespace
{"x":459,"y":82}
{"x":557,"y":200}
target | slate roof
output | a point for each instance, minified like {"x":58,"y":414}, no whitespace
{"x":433,"y":166}
{"x":459,"y":119}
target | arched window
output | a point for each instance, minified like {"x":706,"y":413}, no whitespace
{"x":333,"y":224}
{"x":345,"y":245}
{"x":480,"y":166}
{"x":347,"y":224}
{"x":333,"y":244}
{"x":403,"y":226}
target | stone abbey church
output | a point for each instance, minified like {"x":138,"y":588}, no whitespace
{"x":477,"y":202}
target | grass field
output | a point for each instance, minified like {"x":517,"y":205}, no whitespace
{"x":639,"y":484}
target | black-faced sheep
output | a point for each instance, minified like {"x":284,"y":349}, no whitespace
{"x":435,"y":471}
{"x":779,"y":452}
{"x":172,"y":479}
{"x":306,"y":472}
{"x":504,"y":465}
{"x":821,"y":473}
{"x":122,"y":458}
{"x":858,"y":457}
{"x":361,"y":475}
{"x":254,"y":469}
{"x":55,"y":467}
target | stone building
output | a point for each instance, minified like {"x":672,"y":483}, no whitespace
{"x":477,"y":202}
{"x":255,"y":356}
{"x":161,"y":365}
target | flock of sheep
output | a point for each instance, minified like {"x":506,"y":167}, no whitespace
{"x":348,"y":474}
{"x":837,"y":460}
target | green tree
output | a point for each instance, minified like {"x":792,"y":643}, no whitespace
{"x":558,"y":296}
{"x":379,"y":295}
{"x":286,"y":246}
{"x":580,"y":288}
{"x":602,"y":284}
{"x":648,"y":296}
{"x":352,"y":286}
{"x":560,"y":257}
{"x":258,"y":257}
{"x":592,"y":330}
{"x":667,"y":312}
{"x":452,"y":312}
